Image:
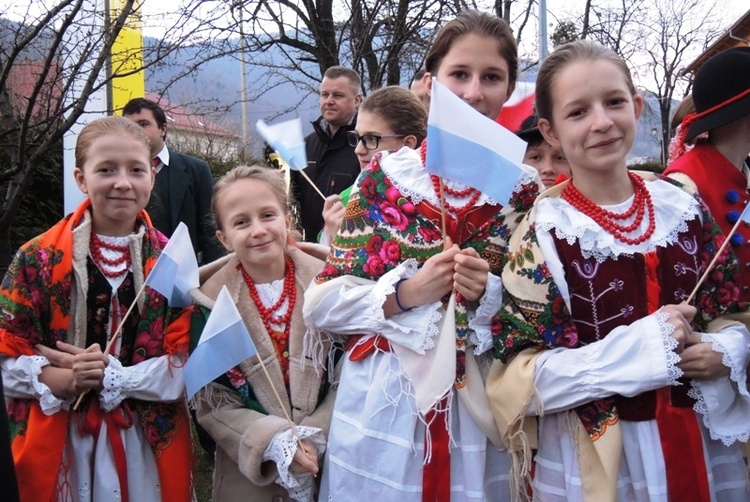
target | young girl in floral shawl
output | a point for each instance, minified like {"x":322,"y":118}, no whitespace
{"x":594,"y":324}
{"x":411,"y":421}
{"x":258,"y":455}
{"x":64,"y":295}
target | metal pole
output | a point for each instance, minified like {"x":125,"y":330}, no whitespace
{"x":543,"y":51}
{"x":243,"y":83}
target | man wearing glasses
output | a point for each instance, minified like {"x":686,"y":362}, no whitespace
{"x":331,"y":162}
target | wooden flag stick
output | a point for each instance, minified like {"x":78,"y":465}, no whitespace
{"x":713,"y":262}
{"x":115,"y":336}
{"x":302,"y":172}
{"x":446,"y":244}
{"x":281,"y":403}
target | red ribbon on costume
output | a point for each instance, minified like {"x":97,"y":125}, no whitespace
{"x":681,"y":441}
{"x":359,"y":349}
{"x":116,"y":420}
{"x":436,"y":475}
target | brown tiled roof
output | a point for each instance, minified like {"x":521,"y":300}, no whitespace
{"x":182,"y":119}
{"x":22,"y":79}
{"x":737,"y":35}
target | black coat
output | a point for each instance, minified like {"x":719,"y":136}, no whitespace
{"x":188,"y":200}
{"x":333,"y":167}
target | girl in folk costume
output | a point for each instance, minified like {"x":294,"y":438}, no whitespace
{"x":258,"y":455}
{"x":411,"y":420}
{"x":64,"y":295}
{"x":386,"y":120}
{"x":717,"y":166}
{"x":593,"y":324}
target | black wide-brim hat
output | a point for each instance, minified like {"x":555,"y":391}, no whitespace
{"x":718,"y":89}
{"x":529,"y":130}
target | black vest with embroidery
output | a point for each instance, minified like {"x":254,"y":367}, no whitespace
{"x":98,"y":307}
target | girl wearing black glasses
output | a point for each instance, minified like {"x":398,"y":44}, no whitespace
{"x":411,"y":420}
{"x":388,"y":119}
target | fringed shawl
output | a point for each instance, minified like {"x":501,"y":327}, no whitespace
{"x":535,"y":317}
{"x":37,"y":299}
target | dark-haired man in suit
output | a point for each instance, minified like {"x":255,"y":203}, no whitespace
{"x":183,"y":187}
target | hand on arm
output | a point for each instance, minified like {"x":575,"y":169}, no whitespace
{"x":431,"y":282}
{"x":680,"y":317}
{"x":699,"y":361}
{"x":72,"y":370}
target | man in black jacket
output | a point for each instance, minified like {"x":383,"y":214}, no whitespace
{"x":331,"y":162}
{"x":183,"y":187}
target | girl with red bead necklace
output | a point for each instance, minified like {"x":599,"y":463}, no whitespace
{"x":411,"y":420}
{"x":258,"y":455}
{"x":593,"y":323}
{"x":63,"y":298}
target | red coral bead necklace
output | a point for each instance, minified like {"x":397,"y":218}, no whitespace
{"x":268,"y":314}
{"x":106,"y":265}
{"x":608,"y":220}
{"x":471,"y":192}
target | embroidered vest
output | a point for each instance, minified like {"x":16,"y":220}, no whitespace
{"x":724,"y":189}
{"x":98,"y":306}
{"x":604,"y":296}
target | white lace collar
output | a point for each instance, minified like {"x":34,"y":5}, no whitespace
{"x":404,"y":168}
{"x":673,"y":208}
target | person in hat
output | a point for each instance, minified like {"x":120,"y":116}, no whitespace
{"x":551,"y":163}
{"x":717,"y":166}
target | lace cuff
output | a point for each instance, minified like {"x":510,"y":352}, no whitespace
{"x":281,"y":450}
{"x":665,"y":330}
{"x":422,"y":325}
{"x":480,"y":321}
{"x":113,"y":391}
{"x":724,"y":403}
{"x":29,"y":368}
{"x":734,"y":351}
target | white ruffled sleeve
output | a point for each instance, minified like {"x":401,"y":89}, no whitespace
{"x":353,"y":306}
{"x":21,"y":380}
{"x":150,"y":380}
{"x":282,"y":449}
{"x":724,"y":403}
{"x":480,"y":320}
{"x":628,"y":361}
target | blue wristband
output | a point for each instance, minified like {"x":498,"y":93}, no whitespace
{"x":397,"y":301}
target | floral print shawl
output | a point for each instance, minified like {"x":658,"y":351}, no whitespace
{"x":384,"y":227}
{"x":35,"y":298}
{"x":535,"y":316}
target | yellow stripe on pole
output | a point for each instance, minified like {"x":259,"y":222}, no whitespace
{"x":128,"y":77}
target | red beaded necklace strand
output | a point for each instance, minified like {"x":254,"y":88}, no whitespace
{"x":466,"y":192}
{"x":609,"y":220}
{"x":96,"y":245}
{"x":267,"y":314}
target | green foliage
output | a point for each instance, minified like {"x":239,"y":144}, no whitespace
{"x":565,"y":32}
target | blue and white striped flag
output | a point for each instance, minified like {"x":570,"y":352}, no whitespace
{"x":465,"y":146}
{"x":287,"y":139}
{"x":224,"y":343}
{"x":176,"y":270}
